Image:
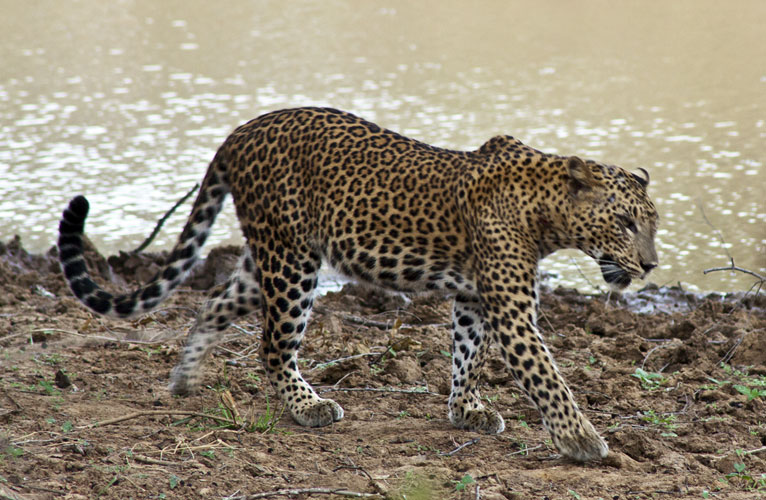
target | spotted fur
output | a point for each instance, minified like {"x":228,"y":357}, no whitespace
{"x":314,"y":184}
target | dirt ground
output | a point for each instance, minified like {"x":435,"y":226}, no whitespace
{"x":677,"y":389}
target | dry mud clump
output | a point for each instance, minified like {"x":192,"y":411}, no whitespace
{"x":678,"y":389}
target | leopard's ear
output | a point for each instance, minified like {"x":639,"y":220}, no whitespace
{"x":580,"y":176}
{"x":642,"y":176}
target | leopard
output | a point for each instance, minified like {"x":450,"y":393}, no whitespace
{"x":315,"y":185}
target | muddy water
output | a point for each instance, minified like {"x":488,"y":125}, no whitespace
{"x":127,"y":101}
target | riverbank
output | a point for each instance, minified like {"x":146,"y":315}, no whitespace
{"x":676,"y":382}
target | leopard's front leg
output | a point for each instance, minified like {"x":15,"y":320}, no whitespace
{"x":535,"y":371}
{"x":506,"y":274}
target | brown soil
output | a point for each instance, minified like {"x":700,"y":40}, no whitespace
{"x":66,"y":375}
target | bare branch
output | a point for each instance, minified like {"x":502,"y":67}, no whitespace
{"x":467,"y":443}
{"x":148,"y":413}
{"x":525,"y":451}
{"x":161,"y":222}
{"x":153,"y":461}
{"x":716,"y":231}
{"x":732,"y":267}
{"x":305,"y":491}
{"x":322,"y":366}
{"x":724,"y":245}
{"x":379,"y":389}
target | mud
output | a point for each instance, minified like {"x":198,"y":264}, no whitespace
{"x":674,"y":381}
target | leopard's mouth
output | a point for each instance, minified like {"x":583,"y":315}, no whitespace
{"x":613,"y":273}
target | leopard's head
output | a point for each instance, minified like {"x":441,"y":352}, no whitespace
{"x":612,"y":219}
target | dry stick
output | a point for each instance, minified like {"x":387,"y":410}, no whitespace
{"x":658,"y":492}
{"x":32,"y":487}
{"x":730,"y":353}
{"x":757,"y":450}
{"x":732,"y":267}
{"x":149,"y":413}
{"x":161,"y":222}
{"x":304,"y":491}
{"x":353,"y":467}
{"x":467,"y":443}
{"x":715,"y":230}
{"x":525,"y":450}
{"x":104,"y":337}
{"x":731,"y":259}
{"x":20,"y":334}
{"x":758,"y":284}
{"x":242,"y":330}
{"x":13,"y":401}
{"x":378,"y":389}
{"x":356,"y":320}
{"x":153,"y":461}
{"x":344,"y":377}
{"x":553,"y":330}
{"x":582,"y":275}
{"x":646,"y":358}
{"x":321,"y":366}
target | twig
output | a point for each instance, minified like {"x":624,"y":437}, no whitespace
{"x":356,"y":320}
{"x":732,"y":267}
{"x":353,"y":467}
{"x":304,"y":491}
{"x":715,"y":230}
{"x":9,"y":337}
{"x":13,"y":401}
{"x":153,"y":461}
{"x":161,"y":222}
{"x":104,"y":337}
{"x":524,"y":451}
{"x":724,"y":245}
{"x":378,"y":389}
{"x":32,"y":487}
{"x":582,"y":275}
{"x":321,"y":366}
{"x":757,"y":450}
{"x":646,"y":358}
{"x":730,"y":353}
{"x":242,"y":330}
{"x":149,"y":413}
{"x":386,"y":325}
{"x":545,"y":317}
{"x":648,"y":493}
{"x":467,"y":443}
{"x":344,"y":377}
{"x":389,"y":348}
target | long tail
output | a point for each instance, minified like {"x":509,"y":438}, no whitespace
{"x":179,"y":263}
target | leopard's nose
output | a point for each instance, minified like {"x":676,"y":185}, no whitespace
{"x":648,"y":266}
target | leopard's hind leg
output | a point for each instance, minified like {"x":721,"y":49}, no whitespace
{"x":237,"y":297}
{"x":288,"y":277}
{"x":469,"y":348}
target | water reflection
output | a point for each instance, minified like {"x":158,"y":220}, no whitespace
{"x":129,"y":110}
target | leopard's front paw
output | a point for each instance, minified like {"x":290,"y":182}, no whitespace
{"x":582,"y":444}
{"x":484,"y":420}
{"x":317,"y":413}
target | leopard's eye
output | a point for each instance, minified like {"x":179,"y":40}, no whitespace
{"x":627,"y":222}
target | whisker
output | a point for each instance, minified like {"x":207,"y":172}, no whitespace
{"x":604,"y":261}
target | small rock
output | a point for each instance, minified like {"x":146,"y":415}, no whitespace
{"x":407,"y":370}
{"x":62,"y":380}
{"x":620,"y":460}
